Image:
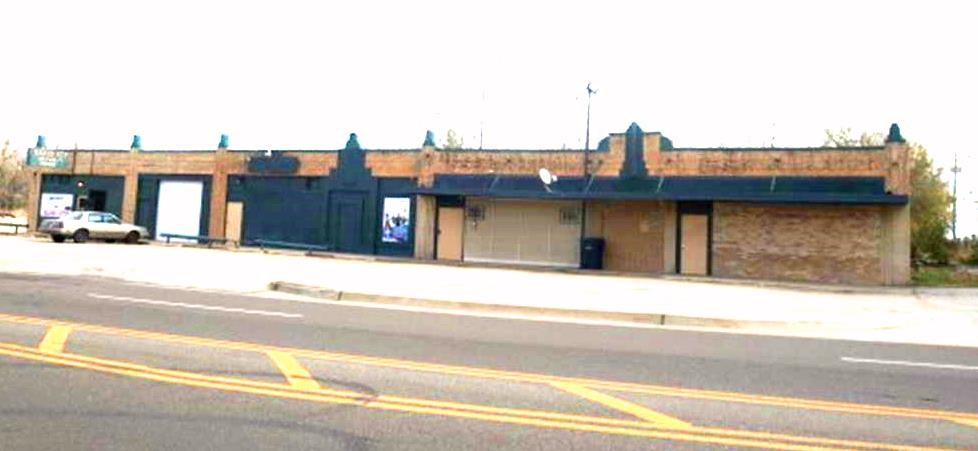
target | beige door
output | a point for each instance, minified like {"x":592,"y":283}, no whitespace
{"x":694,"y":244}
{"x":232,"y":221}
{"x":450,"y":223}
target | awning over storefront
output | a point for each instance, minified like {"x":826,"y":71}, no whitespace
{"x":779,"y":189}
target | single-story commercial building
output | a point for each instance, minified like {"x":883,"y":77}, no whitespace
{"x":636,"y":204}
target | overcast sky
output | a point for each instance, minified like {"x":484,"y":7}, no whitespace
{"x":288,"y":74}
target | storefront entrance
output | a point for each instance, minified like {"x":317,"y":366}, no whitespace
{"x":695,"y":238}
{"x":451,"y":221}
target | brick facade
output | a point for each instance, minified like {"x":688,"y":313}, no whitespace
{"x":822,"y":243}
{"x":635,"y":234}
{"x":826,"y":243}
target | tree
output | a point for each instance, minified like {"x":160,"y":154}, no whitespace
{"x":14,"y":181}
{"x":930,"y":209}
{"x":843,"y":138}
{"x":453,"y":141}
{"x":930,"y":204}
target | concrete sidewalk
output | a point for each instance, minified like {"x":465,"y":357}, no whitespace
{"x":948,"y":317}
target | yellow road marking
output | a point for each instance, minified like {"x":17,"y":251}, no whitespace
{"x":798,"y":403}
{"x":55,"y":338}
{"x":294,"y":372}
{"x":472,"y":411}
{"x":622,"y":405}
{"x":972,"y":423}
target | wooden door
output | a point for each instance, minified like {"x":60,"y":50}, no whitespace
{"x":232,"y":221}
{"x":450,"y":224}
{"x":695,"y":232}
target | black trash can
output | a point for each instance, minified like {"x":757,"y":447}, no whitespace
{"x":592,"y":253}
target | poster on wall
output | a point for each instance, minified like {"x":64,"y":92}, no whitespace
{"x":396,"y":226}
{"x":54,"y":205}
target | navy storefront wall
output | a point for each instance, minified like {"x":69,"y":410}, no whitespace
{"x":147,"y":197}
{"x":305,"y":210}
{"x":281,"y":208}
{"x":343,"y":211}
{"x":110,"y":186}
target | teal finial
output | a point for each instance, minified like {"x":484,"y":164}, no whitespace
{"x":895,"y":136}
{"x":634,"y":165}
{"x":137,"y":143}
{"x":634,"y":129}
{"x":352,"y":143}
{"x":224,"y":142}
{"x":665,"y":143}
{"x":429,"y":139}
{"x":41,"y":143}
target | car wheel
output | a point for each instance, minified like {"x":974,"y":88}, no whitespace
{"x":58,"y":238}
{"x":80,"y":236}
{"x":132,"y":237}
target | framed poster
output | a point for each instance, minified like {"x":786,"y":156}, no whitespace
{"x":396,"y":220}
{"x":54,"y":205}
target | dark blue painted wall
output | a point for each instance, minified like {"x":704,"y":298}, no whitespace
{"x":343,"y":214}
{"x":67,"y":184}
{"x":288,"y":209}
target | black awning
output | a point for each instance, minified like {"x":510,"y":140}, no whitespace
{"x":794,"y":189}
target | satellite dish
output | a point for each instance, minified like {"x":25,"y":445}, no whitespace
{"x":546,"y":177}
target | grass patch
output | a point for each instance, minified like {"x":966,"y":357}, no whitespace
{"x":943,"y":276}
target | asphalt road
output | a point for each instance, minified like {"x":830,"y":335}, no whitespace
{"x":623,"y":387}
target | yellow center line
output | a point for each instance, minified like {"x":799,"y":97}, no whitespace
{"x":293,"y":371}
{"x":55,"y":338}
{"x":971,"y":423}
{"x":457,"y":410}
{"x":622,"y":405}
{"x":486,"y":373}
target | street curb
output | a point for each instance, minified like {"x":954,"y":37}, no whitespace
{"x":756,"y":283}
{"x":478,"y":307}
{"x":902,"y":290}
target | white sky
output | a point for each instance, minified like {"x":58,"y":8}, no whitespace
{"x":289,"y":74}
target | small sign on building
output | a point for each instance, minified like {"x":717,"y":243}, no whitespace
{"x":48,"y":158}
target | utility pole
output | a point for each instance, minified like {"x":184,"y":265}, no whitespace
{"x":954,"y":196}
{"x":482,"y":117}
{"x":587,"y":130}
{"x":587,"y":149}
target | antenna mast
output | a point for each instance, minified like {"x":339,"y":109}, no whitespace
{"x":954,"y":196}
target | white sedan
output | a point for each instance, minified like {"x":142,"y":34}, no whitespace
{"x":84,"y":225}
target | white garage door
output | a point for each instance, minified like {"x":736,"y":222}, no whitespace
{"x":526,"y":232}
{"x":178,"y":208}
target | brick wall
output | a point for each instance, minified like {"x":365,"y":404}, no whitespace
{"x":891,"y":162}
{"x":817,"y":243}
{"x":634,"y":234}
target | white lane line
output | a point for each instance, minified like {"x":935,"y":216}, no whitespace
{"x":946,"y":366}
{"x":194,"y":306}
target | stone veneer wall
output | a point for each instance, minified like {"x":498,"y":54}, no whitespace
{"x":813,"y":243}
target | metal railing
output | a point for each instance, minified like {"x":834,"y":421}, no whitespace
{"x":16,"y":225}
{"x":200,"y":239}
{"x":289,"y":245}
